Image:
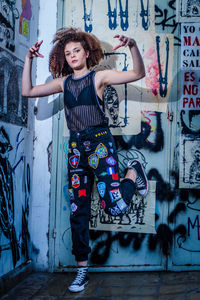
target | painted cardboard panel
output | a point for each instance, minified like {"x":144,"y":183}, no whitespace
{"x":13,"y":106}
{"x":188,"y":10}
{"x":189,"y":162}
{"x":140,"y":217}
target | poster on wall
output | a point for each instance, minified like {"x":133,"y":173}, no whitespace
{"x":188,"y":10}
{"x":140,"y":217}
{"x":124,"y":103}
{"x":189,"y":176}
{"x":13,"y":106}
{"x":190,"y":66}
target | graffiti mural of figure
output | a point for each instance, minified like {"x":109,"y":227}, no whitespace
{"x":8,"y":15}
{"x":25,"y":17}
{"x":112,"y":103}
{"x":195,"y":166}
{"x":7,"y":196}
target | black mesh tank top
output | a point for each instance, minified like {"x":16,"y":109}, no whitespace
{"x":82,"y":105}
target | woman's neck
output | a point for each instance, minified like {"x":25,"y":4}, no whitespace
{"x":81,"y":73}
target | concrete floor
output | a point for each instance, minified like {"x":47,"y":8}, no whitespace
{"x":118,"y":286}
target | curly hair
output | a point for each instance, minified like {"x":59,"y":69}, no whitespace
{"x":57,"y":62}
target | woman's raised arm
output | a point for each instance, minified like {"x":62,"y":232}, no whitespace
{"x":28,"y":90}
{"x":109,"y":77}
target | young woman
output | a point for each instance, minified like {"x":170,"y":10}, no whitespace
{"x":92,"y":152}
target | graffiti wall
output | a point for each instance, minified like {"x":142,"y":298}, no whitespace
{"x":17,"y":29}
{"x":149,"y":124}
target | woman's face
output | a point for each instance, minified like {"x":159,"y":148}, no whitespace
{"x":75,"y":55}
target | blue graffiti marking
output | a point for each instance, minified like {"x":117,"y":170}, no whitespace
{"x":87,"y":17}
{"x":112,"y":16}
{"x":145,"y":15}
{"x":123,"y":16}
{"x":162,"y":80}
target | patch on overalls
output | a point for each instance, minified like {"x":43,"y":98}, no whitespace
{"x":82,"y":193}
{"x":75,"y":181}
{"x":115,"y":184}
{"x":93,"y":160}
{"x":110,"y":170}
{"x":111,"y":161}
{"x":101,"y":150}
{"x":74,"y":161}
{"x":73,"y":144}
{"x":103,"y":204}
{"x":87,"y":145}
{"x":71,"y":194}
{"x":101,"y":133}
{"x":103,"y":174}
{"x":85,"y":179}
{"x":101,"y":186}
{"x":115,"y":195}
{"x":73,"y":207}
{"x":115,"y":176}
{"x":76,"y":152}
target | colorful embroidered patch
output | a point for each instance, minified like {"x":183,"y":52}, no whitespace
{"x":110,"y":170}
{"x":103,"y":174}
{"x":74,"y":161}
{"x":111,"y":161}
{"x":101,"y":133}
{"x":110,"y":144}
{"x":75,"y":181}
{"x":101,"y":150}
{"x":115,"y":195}
{"x":76,"y":152}
{"x":82,"y":193}
{"x":87,"y":145}
{"x":85,"y":179}
{"x":115,"y":184}
{"x":76,"y":170}
{"x":101,"y":186}
{"x":73,"y":144}
{"x":115,"y":176}
{"x":103,"y":204}
{"x":71,"y":194}
{"x":93,"y":160}
{"x":73,"y":207}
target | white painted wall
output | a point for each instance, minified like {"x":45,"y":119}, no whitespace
{"x":43,"y":137}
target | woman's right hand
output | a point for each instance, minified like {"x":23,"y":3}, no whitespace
{"x":34,"y":50}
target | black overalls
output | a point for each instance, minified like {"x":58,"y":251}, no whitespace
{"x":91,"y":154}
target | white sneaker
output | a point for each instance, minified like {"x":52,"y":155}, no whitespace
{"x":80,"y":281}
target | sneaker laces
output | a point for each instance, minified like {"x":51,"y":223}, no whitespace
{"x":140,"y":182}
{"x":81,"y":273}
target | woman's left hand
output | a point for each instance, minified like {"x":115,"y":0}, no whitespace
{"x":124,"y":41}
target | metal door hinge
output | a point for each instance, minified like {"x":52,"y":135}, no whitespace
{"x":54,"y":232}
